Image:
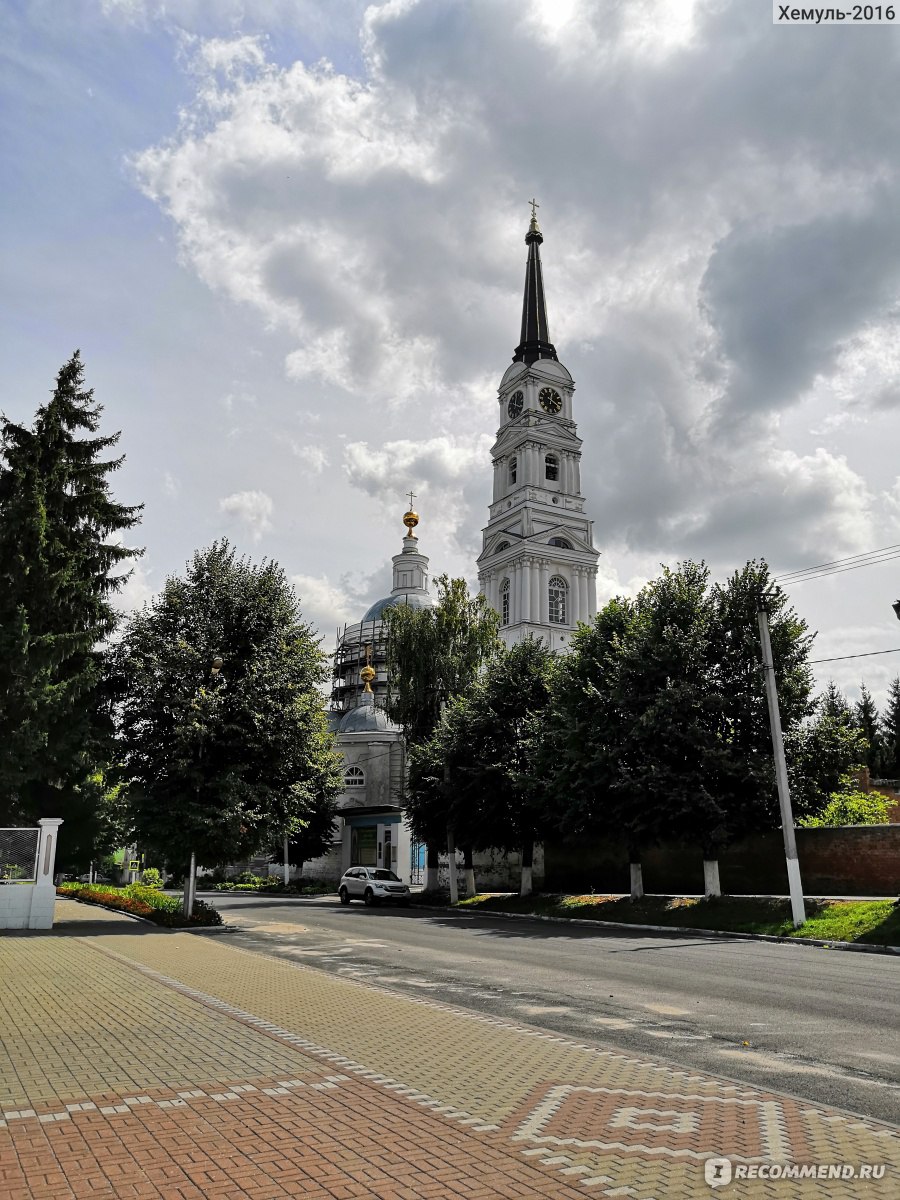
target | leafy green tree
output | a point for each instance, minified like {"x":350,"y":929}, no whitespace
{"x":434,"y":655}
{"x":479,"y":769}
{"x":849,"y":805}
{"x":223,"y":734}
{"x":659,"y":723}
{"x":865,"y":716}
{"x":890,"y":732}
{"x":746,"y":780}
{"x":60,"y":563}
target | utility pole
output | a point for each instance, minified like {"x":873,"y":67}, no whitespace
{"x":798,"y":908}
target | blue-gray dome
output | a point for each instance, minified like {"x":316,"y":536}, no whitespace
{"x":367,"y":718}
{"x":413,"y":599}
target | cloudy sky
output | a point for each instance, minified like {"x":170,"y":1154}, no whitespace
{"x":287,"y":236}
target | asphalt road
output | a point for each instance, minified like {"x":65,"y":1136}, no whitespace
{"x":821,"y":1024}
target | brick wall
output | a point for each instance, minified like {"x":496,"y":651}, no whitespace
{"x":859,"y":860}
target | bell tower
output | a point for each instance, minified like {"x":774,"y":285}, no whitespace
{"x":538,"y":565}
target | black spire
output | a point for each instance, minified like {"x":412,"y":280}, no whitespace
{"x":535,"y":341}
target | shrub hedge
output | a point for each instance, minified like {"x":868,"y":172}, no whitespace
{"x":142,"y":901}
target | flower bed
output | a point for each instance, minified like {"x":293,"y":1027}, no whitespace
{"x":141,"y":901}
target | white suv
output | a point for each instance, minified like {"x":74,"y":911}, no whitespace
{"x":372,"y":885}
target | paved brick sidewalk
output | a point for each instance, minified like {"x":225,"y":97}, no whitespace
{"x":137,"y":1062}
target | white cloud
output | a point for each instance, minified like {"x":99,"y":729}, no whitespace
{"x":252,"y":511}
{"x":170,"y":485}
{"x":325,"y":605}
{"x":314,"y":457}
{"x":136,"y":592}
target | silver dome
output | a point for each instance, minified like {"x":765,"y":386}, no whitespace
{"x":367,"y":718}
{"x":413,"y":599}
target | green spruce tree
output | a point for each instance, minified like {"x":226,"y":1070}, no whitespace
{"x":890,"y":732}
{"x":866,"y":717}
{"x":60,"y":563}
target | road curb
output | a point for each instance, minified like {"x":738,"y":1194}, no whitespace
{"x":858,"y":947}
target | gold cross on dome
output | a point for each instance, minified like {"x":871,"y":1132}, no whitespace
{"x":412,"y":496}
{"x":534,"y":205}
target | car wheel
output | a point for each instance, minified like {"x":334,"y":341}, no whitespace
{"x":345,"y":896}
{"x":369,"y":897}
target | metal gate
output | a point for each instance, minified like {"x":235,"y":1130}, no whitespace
{"x":417,"y":863}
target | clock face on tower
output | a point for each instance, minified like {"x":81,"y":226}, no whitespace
{"x":516,"y":401}
{"x":551,"y":401}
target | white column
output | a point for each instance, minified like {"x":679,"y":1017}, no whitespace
{"x":535,"y":591}
{"x":592,"y":593}
{"x":584,"y":613}
{"x":497,"y":480}
{"x":545,"y":593}
{"x":526,"y":590}
{"x":565,"y":468}
{"x":515,"y":597}
{"x":576,"y":474}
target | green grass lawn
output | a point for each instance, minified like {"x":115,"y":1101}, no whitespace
{"x":873,"y":921}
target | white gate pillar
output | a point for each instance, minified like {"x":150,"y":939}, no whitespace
{"x":46,"y":856}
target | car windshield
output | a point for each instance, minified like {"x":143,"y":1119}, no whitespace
{"x":382,"y":874}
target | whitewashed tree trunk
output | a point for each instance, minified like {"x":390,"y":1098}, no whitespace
{"x":287,"y":865}
{"x":711,"y":885}
{"x":637,"y":881}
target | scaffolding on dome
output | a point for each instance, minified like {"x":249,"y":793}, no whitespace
{"x":357,"y":645}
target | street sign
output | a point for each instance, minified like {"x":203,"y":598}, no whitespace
{"x":134,"y":864}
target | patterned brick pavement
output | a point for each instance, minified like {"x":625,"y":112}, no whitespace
{"x":145,"y":1063}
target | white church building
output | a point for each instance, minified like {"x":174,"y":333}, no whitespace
{"x":537,"y":568}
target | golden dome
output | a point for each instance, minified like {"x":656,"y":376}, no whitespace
{"x":367,"y":674}
{"x":410,"y":520}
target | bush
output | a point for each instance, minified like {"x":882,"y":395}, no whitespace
{"x":249,"y":877}
{"x":151,"y":878}
{"x":147,"y":902}
{"x":850,"y":806}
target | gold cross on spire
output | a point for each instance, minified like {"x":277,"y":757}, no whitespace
{"x":534,"y":205}
{"x":412,"y":496}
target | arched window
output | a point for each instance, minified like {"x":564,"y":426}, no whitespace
{"x":504,"y":602}
{"x":354,"y":777}
{"x":559,"y":590}
{"x":501,"y":546}
{"x":561,"y":542}
{"x":551,"y":467}
{"x":513,"y":466}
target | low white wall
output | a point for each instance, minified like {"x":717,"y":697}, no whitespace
{"x":495,"y":871}
{"x":26,"y":906}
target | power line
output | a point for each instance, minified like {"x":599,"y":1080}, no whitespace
{"x":839,"y":565}
{"x":842,"y":657}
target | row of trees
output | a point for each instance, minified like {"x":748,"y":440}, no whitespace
{"x":653,"y":727}
{"x":194,"y":724}
{"x":881,"y":730}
